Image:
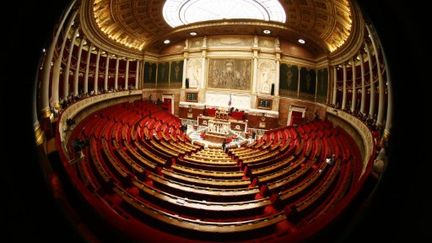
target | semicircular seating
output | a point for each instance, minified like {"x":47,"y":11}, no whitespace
{"x":143,"y":168}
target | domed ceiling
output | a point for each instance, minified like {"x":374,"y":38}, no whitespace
{"x":140,"y":26}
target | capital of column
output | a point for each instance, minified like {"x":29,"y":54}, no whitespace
{"x":57,"y":106}
{"x":46,"y":113}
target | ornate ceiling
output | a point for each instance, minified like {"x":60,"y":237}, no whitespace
{"x":139,"y":24}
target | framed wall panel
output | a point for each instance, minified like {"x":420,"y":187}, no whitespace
{"x":230,"y":74}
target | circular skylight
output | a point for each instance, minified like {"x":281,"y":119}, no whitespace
{"x":183,"y":12}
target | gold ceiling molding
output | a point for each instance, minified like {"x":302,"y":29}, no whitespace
{"x":98,"y":38}
{"x":329,"y":20}
{"x":355,"y":41}
{"x":139,"y":24}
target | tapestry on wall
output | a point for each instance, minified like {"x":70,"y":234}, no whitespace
{"x":176,"y":72}
{"x":229,"y":74}
{"x":149,"y":72}
{"x":322,"y":85}
{"x":288,"y":80}
{"x":163,"y":74}
{"x":307,"y":82}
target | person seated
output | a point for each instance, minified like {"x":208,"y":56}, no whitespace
{"x":331,"y":159}
{"x":205,"y":112}
{"x":70,"y":122}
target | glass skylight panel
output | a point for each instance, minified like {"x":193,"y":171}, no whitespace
{"x":183,"y":12}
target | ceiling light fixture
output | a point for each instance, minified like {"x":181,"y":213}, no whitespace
{"x":193,"y":33}
{"x":301,"y":41}
{"x":267,"y":32}
{"x":167,"y":41}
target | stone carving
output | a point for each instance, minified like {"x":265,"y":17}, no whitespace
{"x":230,"y":41}
{"x":194,"y":69}
{"x":267,"y":74}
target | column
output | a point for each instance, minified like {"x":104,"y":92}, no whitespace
{"x":278,"y":51}
{"x":66,"y":73}
{"x":389,"y":117}
{"x":328,"y":85}
{"x":255,"y":72}
{"x":57,"y":64}
{"x":371,"y":84}
{"x":156,"y":77}
{"x":39,"y":134}
{"x":96,"y":74}
{"x":169,"y":74}
{"x":354,"y":87}
{"x":142,"y":74}
{"x":203,"y":72}
{"x":363,"y":86}
{"x":380,"y":81}
{"x":298,"y":81}
{"x":344,"y":86}
{"x":47,"y":65}
{"x":87,"y":69}
{"x":127,"y":75}
{"x":137,"y":73}
{"x":334,"y":85}
{"x":76,"y":76}
{"x":316,"y":84}
{"x":185,"y":61}
{"x":276,"y":90}
{"x":106,"y":72}
{"x":116,"y":73}
{"x":255,"y":65}
{"x":203,"y":63}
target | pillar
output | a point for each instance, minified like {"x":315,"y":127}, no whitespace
{"x":255,"y":72}
{"x":363,"y":85}
{"x":47,"y":65}
{"x":127,"y":75}
{"x":316,"y":84}
{"x":87,"y":69}
{"x":371,"y":83}
{"x":106,"y":72}
{"x":334,"y":85}
{"x":57,"y":64}
{"x":389,"y":117}
{"x":354,"y":87}
{"x":185,"y":61}
{"x":137,"y":73}
{"x":116,"y":73}
{"x":344,"y":90}
{"x":66,"y":73}
{"x":96,"y":73}
{"x":203,"y":63}
{"x":298,"y":80}
{"x":276,"y":89}
{"x":77,"y":70}
{"x":381,"y":99}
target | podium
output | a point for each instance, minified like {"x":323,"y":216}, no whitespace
{"x":218,"y":127}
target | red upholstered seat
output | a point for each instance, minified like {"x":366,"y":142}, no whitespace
{"x":211,"y":112}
